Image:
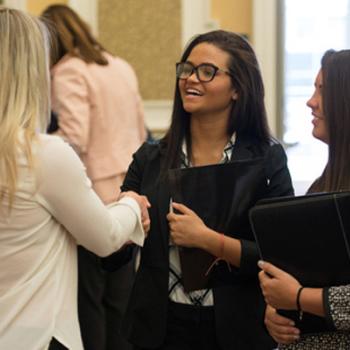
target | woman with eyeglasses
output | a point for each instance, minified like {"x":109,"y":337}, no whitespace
{"x":218,"y":117}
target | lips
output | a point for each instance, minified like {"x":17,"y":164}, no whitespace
{"x":316,"y":119}
{"x":193,"y":92}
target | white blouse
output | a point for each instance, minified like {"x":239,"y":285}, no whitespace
{"x":54,"y":210}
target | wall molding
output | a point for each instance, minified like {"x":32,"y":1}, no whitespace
{"x":158,"y":115}
{"x":196,"y":19}
{"x":88,"y":10}
{"x":266,"y":48}
{"x":16,"y":4}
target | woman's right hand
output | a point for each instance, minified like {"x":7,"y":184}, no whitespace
{"x":281,"y":329}
{"x":144,"y":205}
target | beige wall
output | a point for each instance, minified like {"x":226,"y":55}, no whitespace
{"x":148,"y":35}
{"x":234,"y":15}
{"x":36,"y":7}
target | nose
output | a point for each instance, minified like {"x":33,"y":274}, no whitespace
{"x":193,"y":76}
{"x":312,"y":102}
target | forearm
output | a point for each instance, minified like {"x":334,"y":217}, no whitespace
{"x":221,"y":246}
{"x":311,"y":301}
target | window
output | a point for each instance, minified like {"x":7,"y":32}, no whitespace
{"x":310,"y":28}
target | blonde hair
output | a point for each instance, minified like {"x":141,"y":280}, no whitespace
{"x":24,"y":91}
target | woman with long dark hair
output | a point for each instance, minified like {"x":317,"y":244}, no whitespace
{"x":218,"y":118}
{"x":331,"y":119}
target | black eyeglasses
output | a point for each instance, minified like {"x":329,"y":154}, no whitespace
{"x":205,"y":72}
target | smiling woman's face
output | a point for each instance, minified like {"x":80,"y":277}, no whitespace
{"x":315,"y":103}
{"x":211,"y":97}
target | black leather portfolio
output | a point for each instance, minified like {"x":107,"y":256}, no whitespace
{"x":307,"y":236}
{"x":221,"y":195}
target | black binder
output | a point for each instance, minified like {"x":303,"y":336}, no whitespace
{"x":307,"y":236}
{"x":221,"y":195}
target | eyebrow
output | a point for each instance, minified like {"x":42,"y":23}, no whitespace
{"x":210,"y":63}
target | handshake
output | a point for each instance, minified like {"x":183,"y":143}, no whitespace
{"x":144,"y":205}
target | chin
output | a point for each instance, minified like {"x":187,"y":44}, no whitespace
{"x":189,"y":108}
{"x":320,"y":135}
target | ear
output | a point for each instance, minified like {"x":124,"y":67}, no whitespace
{"x":234,"y":95}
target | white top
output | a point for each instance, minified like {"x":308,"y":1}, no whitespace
{"x":54,"y":209}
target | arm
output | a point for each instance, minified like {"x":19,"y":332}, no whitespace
{"x":280,"y":290}
{"x":65,"y":191}
{"x":70,"y":101}
{"x":117,"y":260}
{"x":279,"y":184}
{"x":131,"y":182}
{"x":336,"y":304}
{"x":188,"y":230}
{"x":281,"y":329}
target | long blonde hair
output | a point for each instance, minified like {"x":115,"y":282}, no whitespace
{"x":24,"y":91}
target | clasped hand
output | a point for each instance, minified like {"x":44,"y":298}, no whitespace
{"x":144,"y":205}
{"x":186,"y":228}
{"x":280,"y":290}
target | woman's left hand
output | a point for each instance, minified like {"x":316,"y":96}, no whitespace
{"x":186,"y":229}
{"x":279,"y":287}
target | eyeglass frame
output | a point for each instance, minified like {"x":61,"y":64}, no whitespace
{"x":195,"y":70}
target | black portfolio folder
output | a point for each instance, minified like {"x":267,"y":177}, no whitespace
{"x":221,"y":195}
{"x":307,"y":236}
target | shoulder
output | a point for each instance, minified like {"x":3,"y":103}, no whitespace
{"x":68,"y":64}
{"x":48,"y":142}
{"x":149,"y":151}
{"x":121,"y":65}
{"x":55,"y":153}
{"x":270,"y":148}
{"x":119,"y":61}
{"x":276,"y":149}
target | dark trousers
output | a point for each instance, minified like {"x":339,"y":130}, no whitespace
{"x":189,"y":328}
{"x":102,"y":299}
{"x":56,"y":345}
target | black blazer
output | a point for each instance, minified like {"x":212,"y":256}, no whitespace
{"x":238,"y":303}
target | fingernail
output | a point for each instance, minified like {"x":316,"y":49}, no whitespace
{"x":260,"y":263}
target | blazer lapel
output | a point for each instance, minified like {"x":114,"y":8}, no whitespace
{"x":241,"y":150}
{"x":163,"y":202}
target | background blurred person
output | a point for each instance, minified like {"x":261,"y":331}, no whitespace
{"x":96,"y":99}
{"x":330,"y":106}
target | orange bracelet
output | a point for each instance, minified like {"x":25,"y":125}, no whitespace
{"x":222,"y":246}
{"x":221,"y":255}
